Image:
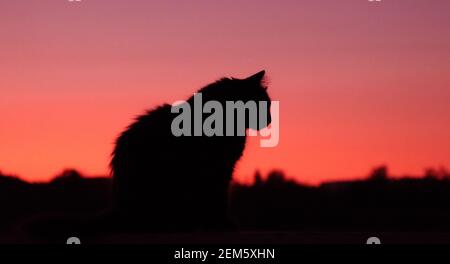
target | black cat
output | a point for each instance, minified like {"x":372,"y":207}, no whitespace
{"x":165,"y":182}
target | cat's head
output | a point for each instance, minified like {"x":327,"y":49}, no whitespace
{"x":254,"y":88}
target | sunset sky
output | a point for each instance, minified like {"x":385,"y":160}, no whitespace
{"x":360,"y":83}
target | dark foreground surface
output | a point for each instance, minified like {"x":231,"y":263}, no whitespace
{"x":271,"y":211}
{"x":244,"y":238}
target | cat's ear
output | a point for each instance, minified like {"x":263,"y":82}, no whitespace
{"x":258,"y":77}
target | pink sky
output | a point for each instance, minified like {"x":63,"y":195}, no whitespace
{"x":359,"y":83}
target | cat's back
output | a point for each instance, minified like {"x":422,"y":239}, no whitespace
{"x":148,"y":130}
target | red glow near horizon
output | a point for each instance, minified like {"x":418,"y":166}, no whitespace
{"x":360,"y":84}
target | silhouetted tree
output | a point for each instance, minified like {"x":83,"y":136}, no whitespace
{"x":68,"y":176}
{"x":379,"y":174}
{"x":258,"y":179}
{"x":275,"y":178}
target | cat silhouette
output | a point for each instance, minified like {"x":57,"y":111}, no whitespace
{"x":172,"y":183}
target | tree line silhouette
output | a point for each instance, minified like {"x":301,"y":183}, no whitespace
{"x":380,"y":202}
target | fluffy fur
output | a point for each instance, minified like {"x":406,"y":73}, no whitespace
{"x":163,"y":182}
